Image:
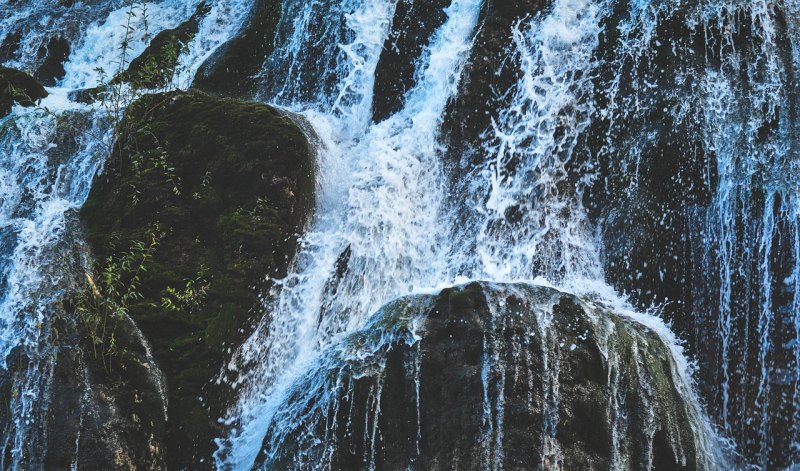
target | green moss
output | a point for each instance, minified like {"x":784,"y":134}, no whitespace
{"x":230,"y":184}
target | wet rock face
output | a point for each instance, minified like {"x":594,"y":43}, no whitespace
{"x":228,"y":185}
{"x":413,"y":25}
{"x":231,"y":70}
{"x":52,"y":55}
{"x":483,"y":374}
{"x":654,"y":170}
{"x":17,"y":87}
{"x":105,"y":416}
{"x":485,"y":79}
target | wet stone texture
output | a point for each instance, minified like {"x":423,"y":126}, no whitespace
{"x":521,"y":375}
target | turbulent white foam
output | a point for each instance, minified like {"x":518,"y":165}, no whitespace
{"x":526,"y":175}
{"x":389,"y":222}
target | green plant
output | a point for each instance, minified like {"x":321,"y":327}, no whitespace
{"x":109,"y":291}
{"x":190,"y":297}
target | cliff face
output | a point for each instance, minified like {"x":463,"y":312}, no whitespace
{"x":639,"y":149}
{"x":484,"y":374}
{"x":225,"y":187}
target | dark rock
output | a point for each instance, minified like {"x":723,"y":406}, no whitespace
{"x":483,"y":374}
{"x":18,"y":88}
{"x":10,"y":46}
{"x":231,"y":70}
{"x":52,"y":57}
{"x":87,"y":96}
{"x":155,"y":67}
{"x":413,"y":25}
{"x":230,"y":185}
{"x":88,"y":414}
{"x":105,"y":416}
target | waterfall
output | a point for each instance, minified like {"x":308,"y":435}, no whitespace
{"x":375,"y":233}
{"x":643,"y":155}
{"x":386,"y":219}
{"x":49,"y":155}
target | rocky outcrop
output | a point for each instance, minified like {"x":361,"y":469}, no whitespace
{"x":413,"y":26}
{"x":487,"y":374}
{"x":105,"y":416}
{"x":17,"y":87}
{"x":227,"y":185}
{"x":231,"y":70}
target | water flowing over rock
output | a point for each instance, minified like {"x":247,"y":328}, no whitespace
{"x":263,"y":177}
{"x":488,"y":376}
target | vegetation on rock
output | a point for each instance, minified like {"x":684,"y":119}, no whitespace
{"x":229,"y":184}
{"x":17,"y":87}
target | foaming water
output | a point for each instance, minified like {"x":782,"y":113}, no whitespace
{"x":381,"y":230}
{"x":49,"y":155}
{"x":100,"y":47}
{"x":381,"y":242}
{"x":216,"y":27}
{"x":532,"y":222}
{"x":42,"y":185}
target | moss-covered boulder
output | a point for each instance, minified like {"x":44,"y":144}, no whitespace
{"x":17,"y":87}
{"x":231,"y":70}
{"x":492,"y":376}
{"x":227,"y":186}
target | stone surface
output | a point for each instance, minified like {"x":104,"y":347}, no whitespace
{"x":18,"y":88}
{"x":231,"y":70}
{"x":483,"y":374}
{"x":229,"y":185}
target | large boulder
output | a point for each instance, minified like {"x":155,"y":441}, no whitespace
{"x":227,"y":186}
{"x":493,"y":376}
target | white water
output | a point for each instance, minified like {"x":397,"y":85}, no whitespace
{"x":49,"y":156}
{"x":549,"y":234}
{"x":385,"y":205}
{"x":385,"y":210}
{"x":383,"y":199}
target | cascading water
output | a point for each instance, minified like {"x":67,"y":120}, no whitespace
{"x":380,"y":228}
{"x":375,"y":235}
{"x":608,"y":98}
{"x":49,"y":156}
{"x":752,"y":225}
{"x":720,"y":78}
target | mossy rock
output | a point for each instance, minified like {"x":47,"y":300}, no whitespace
{"x":518,"y":375}
{"x":230,"y":185}
{"x":17,"y":87}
